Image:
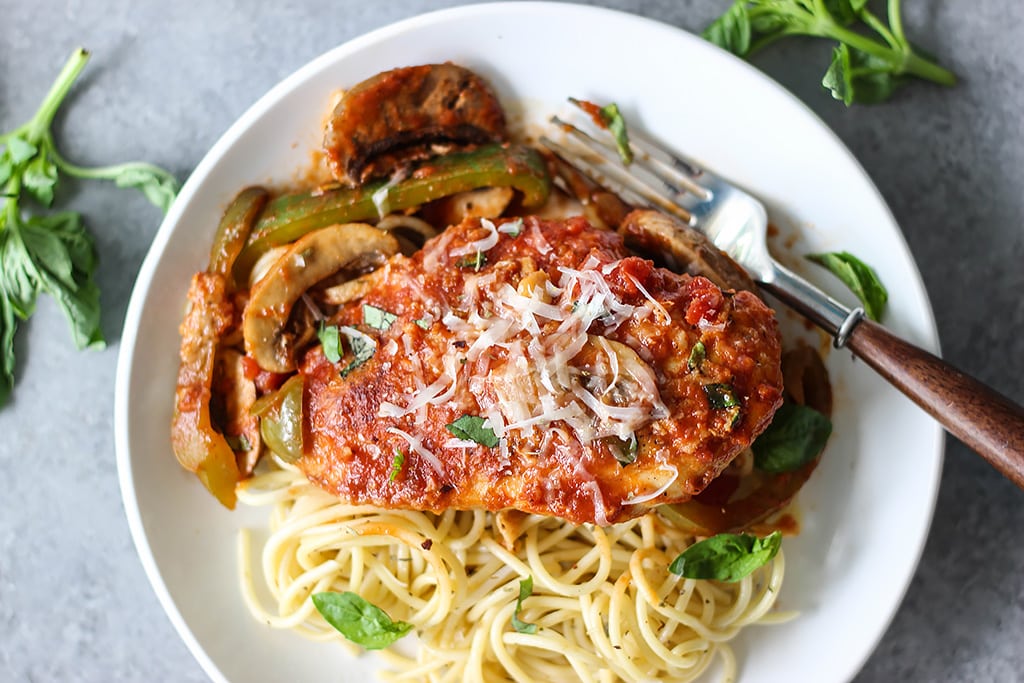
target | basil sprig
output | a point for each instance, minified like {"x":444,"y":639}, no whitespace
{"x":796,"y":436}
{"x":330,"y":340}
{"x":359,"y":620}
{"x":726,"y":557}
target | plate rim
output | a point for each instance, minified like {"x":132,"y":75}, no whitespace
{"x":144,"y":281}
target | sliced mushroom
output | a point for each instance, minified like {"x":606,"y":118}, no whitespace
{"x":487,"y":202}
{"x":309,"y":260}
{"x":682,"y":249}
{"x":403,"y":115}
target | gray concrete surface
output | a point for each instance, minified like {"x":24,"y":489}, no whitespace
{"x":168,"y":78}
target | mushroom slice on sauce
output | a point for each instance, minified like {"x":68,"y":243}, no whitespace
{"x":407,"y":114}
{"x":682,"y":249}
{"x":309,"y":260}
{"x":241,"y":429}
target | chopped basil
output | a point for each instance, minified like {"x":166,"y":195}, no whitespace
{"x":331,"y":341}
{"x":720,"y":396}
{"x":360,"y":621}
{"x":396,"y":465}
{"x":476,"y":261}
{"x":472,"y":428}
{"x":525,"y":590}
{"x":423,"y":323}
{"x":697,"y":355}
{"x":796,"y":436}
{"x":362,"y":351}
{"x":726,"y":557}
{"x":611,"y":115}
{"x":859,"y":277}
{"x":512,"y":228}
{"x":377,"y":318}
{"x":625,"y":450}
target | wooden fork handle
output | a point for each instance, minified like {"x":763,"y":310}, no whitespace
{"x":983,"y":419}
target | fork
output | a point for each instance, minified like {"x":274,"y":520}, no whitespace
{"x":736,"y":222}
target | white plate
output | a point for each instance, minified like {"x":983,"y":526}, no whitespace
{"x":867,"y":509}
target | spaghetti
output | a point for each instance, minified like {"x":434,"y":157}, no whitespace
{"x":606,"y":607}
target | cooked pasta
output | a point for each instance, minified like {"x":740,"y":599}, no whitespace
{"x":606,"y":606}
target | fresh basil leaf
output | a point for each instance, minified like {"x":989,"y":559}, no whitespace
{"x":8,"y":327}
{"x":158,"y":186}
{"x":731,"y":31}
{"x":612,"y":117}
{"x":475,"y":261}
{"x":330,"y":340}
{"x":423,"y":323}
{"x":525,"y":591}
{"x":472,"y":428}
{"x":855,"y":76}
{"x":19,"y":151}
{"x":796,"y":436}
{"x":697,"y":355}
{"x":720,"y":396}
{"x":362,"y":351}
{"x":625,"y":450}
{"x":859,"y":277}
{"x":377,"y":318}
{"x":726,"y":557}
{"x":39,"y":178}
{"x":845,"y":12}
{"x":360,"y":621}
{"x":396,"y":465}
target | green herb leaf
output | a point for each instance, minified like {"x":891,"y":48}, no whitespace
{"x":525,"y":591}
{"x":697,"y":355}
{"x":720,"y":396}
{"x":330,"y":340}
{"x":475,"y":261}
{"x":731,"y":31}
{"x":472,"y":428}
{"x":19,"y":150}
{"x":423,"y":323}
{"x":855,"y":76}
{"x":624,"y":450}
{"x":363,"y":349}
{"x":159,"y":186}
{"x":845,"y":12}
{"x":396,"y":465}
{"x":796,"y":436}
{"x":360,"y":621}
{"x":377,"y":318}
{"x":39,"y":178}
{"x":612,"y":117}
{"x":726,"y":557}
{"x":859,"y":277}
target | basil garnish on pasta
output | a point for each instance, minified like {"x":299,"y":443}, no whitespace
{"x":726,"y":557}
{"x":525,"y":591}
{"x":360,"y":621}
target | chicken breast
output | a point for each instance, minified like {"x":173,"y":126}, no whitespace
{"x":537,"y":365}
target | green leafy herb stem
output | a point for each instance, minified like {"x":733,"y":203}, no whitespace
{"x":525,"y":591}
{"x":861,"y":278}
{"x":726,"y":557}
{"x":871,"y":57}
{"x":52,"y":253}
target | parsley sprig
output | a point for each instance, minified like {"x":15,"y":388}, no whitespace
{"x":51,"y":252}
{"x":871,"y":58}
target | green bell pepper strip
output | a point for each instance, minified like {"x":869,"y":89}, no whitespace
{"x":289,"y":217}
{"x":198,"y":445}
{"x":280,"y":416}
{"x":235,"y":226}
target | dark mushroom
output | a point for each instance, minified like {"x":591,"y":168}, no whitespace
{"x":409,"y":114}
{"x":681,"y":248}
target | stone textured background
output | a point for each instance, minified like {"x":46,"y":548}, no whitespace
{"x":167,"y":78}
